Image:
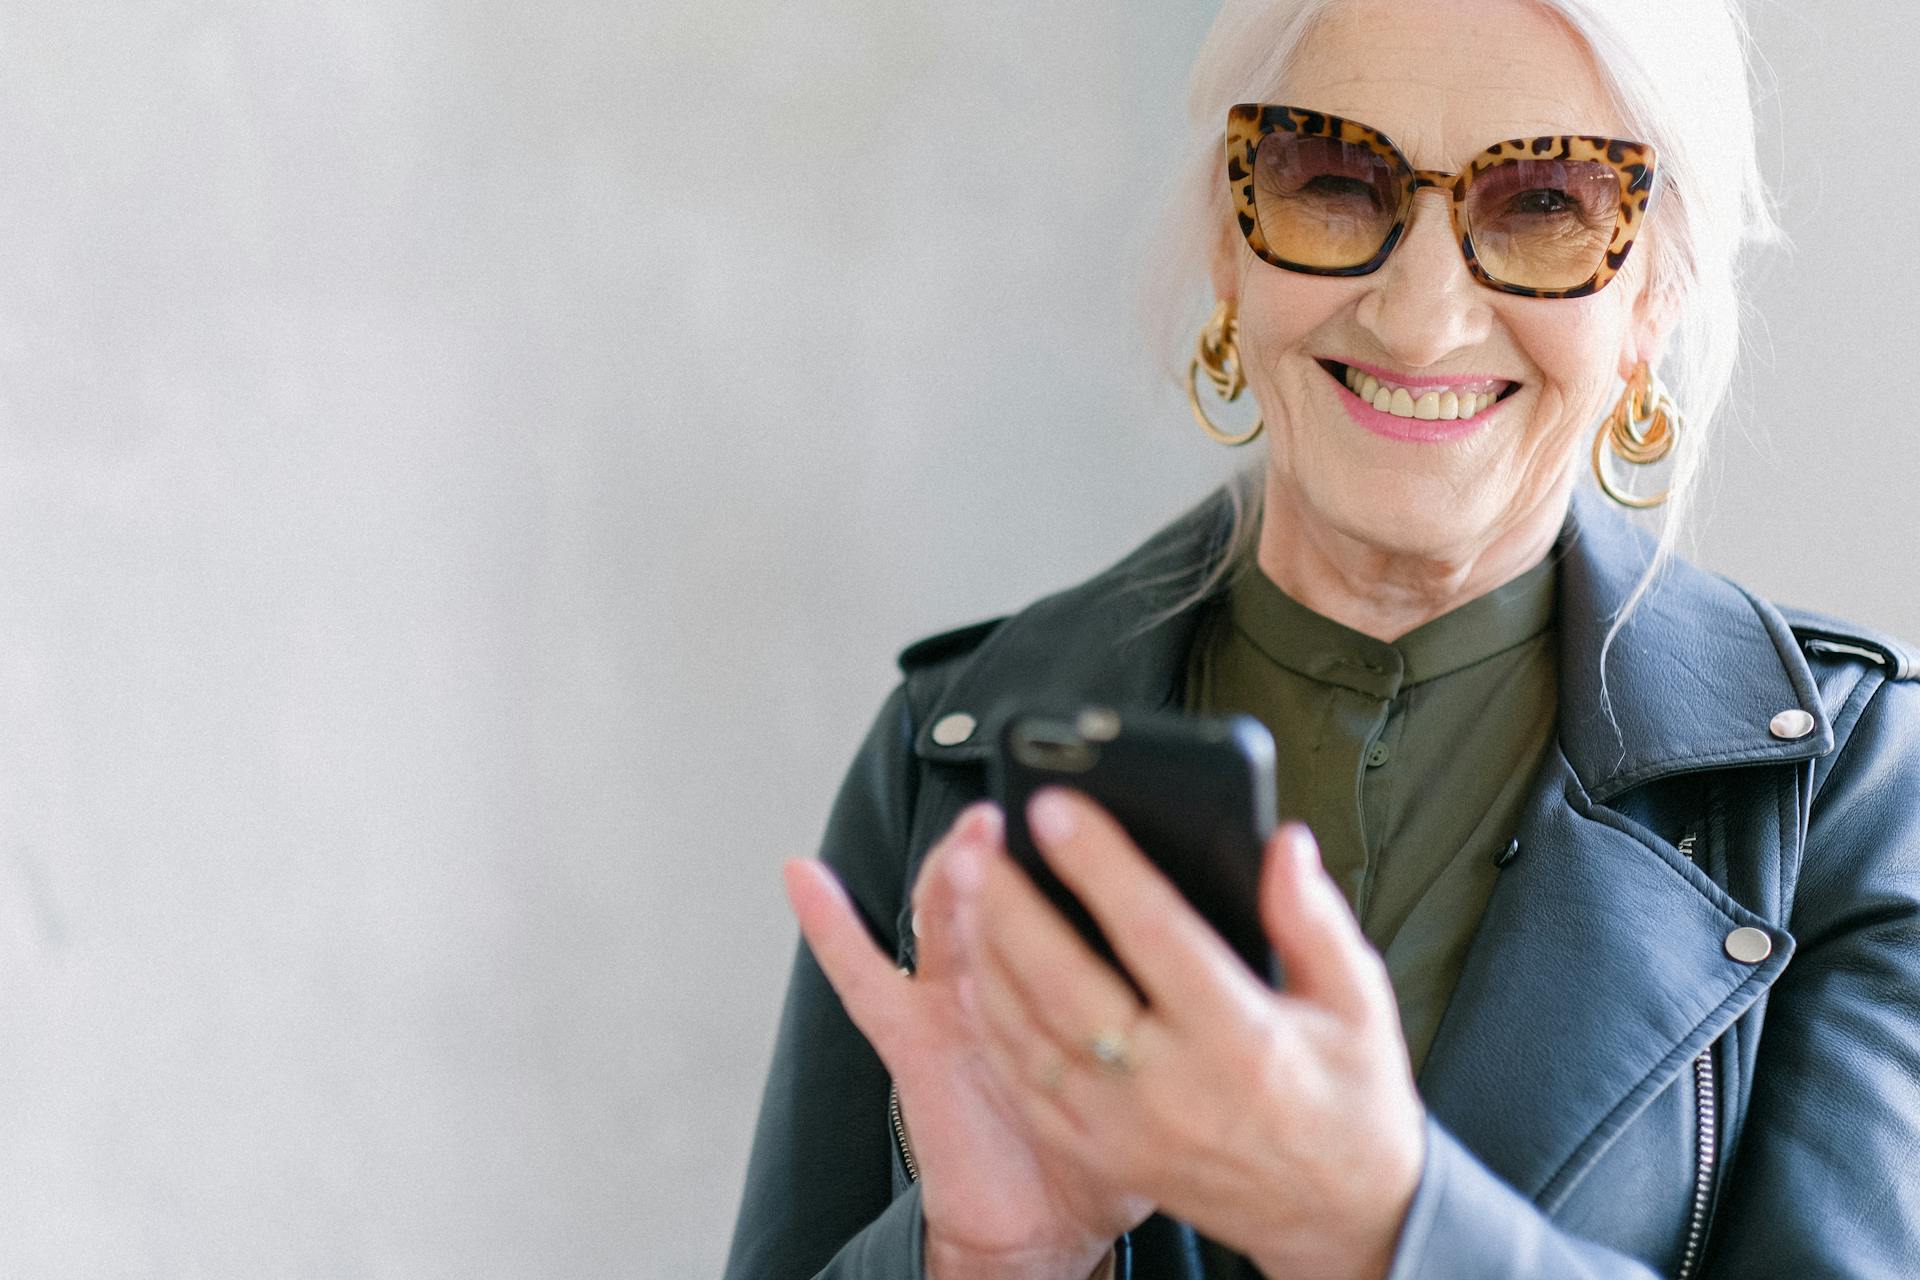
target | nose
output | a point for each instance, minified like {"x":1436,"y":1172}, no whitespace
{"x":1423,"y":304}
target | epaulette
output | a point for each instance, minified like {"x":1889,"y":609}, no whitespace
{"x":1824,"y":636}
{"x":946,"y":644}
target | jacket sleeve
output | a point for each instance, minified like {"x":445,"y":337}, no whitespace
{"x":1466,"y":1221}
{"x":819,"y":1190}
{"x":1824,"y":1181}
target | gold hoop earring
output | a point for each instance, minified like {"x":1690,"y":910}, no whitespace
{"x":1218,"y":353}
{"x":1641,"y":429}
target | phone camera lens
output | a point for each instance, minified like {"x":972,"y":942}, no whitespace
{"x":1053,"y":745}
{"x":1098,"y":724}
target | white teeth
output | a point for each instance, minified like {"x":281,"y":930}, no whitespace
{"x":1445,"y":406}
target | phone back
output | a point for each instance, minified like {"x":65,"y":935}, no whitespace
{"x":1195,"y":793}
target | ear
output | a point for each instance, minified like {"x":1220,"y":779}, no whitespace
{"x":1655,"y":312}
{"x":1225,"y":263}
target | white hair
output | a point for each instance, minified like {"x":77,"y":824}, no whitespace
{"x":1678,"y":71}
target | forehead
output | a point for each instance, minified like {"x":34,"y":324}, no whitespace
{"x":1447,"y":78}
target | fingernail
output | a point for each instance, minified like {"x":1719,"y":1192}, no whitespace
{"x":1306,"y":850}
{"x":963,"y":867}
{"x":1051,"y":815}
{"x":979,"y":823}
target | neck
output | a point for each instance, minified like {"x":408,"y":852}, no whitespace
{"x":1386,"y":592}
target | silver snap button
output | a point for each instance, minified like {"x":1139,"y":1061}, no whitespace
{"x":952,"y":730}
{"x":1749,"y":946}
{"x":1791,"y":724}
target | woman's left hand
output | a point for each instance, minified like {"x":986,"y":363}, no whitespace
{"x":1283,"y":1124}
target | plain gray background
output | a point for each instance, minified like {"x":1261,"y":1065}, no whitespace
{"x":467,"y":469}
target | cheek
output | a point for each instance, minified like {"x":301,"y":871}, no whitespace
{"x":1575,"y":345}
{"x":1278,"y":309}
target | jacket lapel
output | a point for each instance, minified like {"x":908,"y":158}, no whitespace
{"x":1598,"y":972}
{"x":1694,"y":678}
{"x":1600,"y":968}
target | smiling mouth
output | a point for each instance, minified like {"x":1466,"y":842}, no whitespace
{"x":1464,"y":401}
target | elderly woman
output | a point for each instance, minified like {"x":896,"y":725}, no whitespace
{"x":1603,"y":956}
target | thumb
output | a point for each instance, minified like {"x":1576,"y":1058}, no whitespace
{"x":1326,"y":958}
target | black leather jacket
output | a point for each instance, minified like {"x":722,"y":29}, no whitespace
{"x":1612,"y":1093}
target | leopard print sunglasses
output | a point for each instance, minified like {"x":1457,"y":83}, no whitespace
{"x":1550,"y":217}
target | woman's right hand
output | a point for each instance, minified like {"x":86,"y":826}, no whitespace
{"x":993,"y":1206}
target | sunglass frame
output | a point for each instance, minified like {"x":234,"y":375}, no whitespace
{"x":1633,"y":163}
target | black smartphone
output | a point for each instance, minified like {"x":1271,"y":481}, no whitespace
{"x":1195,"y":793}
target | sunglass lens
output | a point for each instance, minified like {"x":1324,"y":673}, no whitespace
{"x":1323,"y":203}
{"x":1543,"y":224}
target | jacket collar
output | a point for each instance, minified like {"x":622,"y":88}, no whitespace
{"x":1693,"y":680}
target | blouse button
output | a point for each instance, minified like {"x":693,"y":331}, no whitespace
{"x":1377,"y":755}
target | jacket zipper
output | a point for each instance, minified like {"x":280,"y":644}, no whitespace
{"x":1704,"y":1101}
{"x":900,"y":1131}
{"x":1707,"y":1144}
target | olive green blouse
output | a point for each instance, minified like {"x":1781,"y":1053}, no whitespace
{"x":1408,"y":760}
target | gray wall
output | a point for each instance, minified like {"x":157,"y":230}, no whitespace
{"x":464,"y":471}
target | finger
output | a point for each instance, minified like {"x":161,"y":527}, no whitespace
{"x":1065,"y":1099}
{"x":1186,"y":969}
{"x":861,"y":974}
{"x":1327,"y":959}
{"x":1061,"y":985}
{"x":944,"y":890}
{"x":1032,"y":1072}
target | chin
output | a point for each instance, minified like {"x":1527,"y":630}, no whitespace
{"x":1416,"y":517}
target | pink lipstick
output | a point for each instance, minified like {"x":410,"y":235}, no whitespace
{"x":1363,"y":387}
